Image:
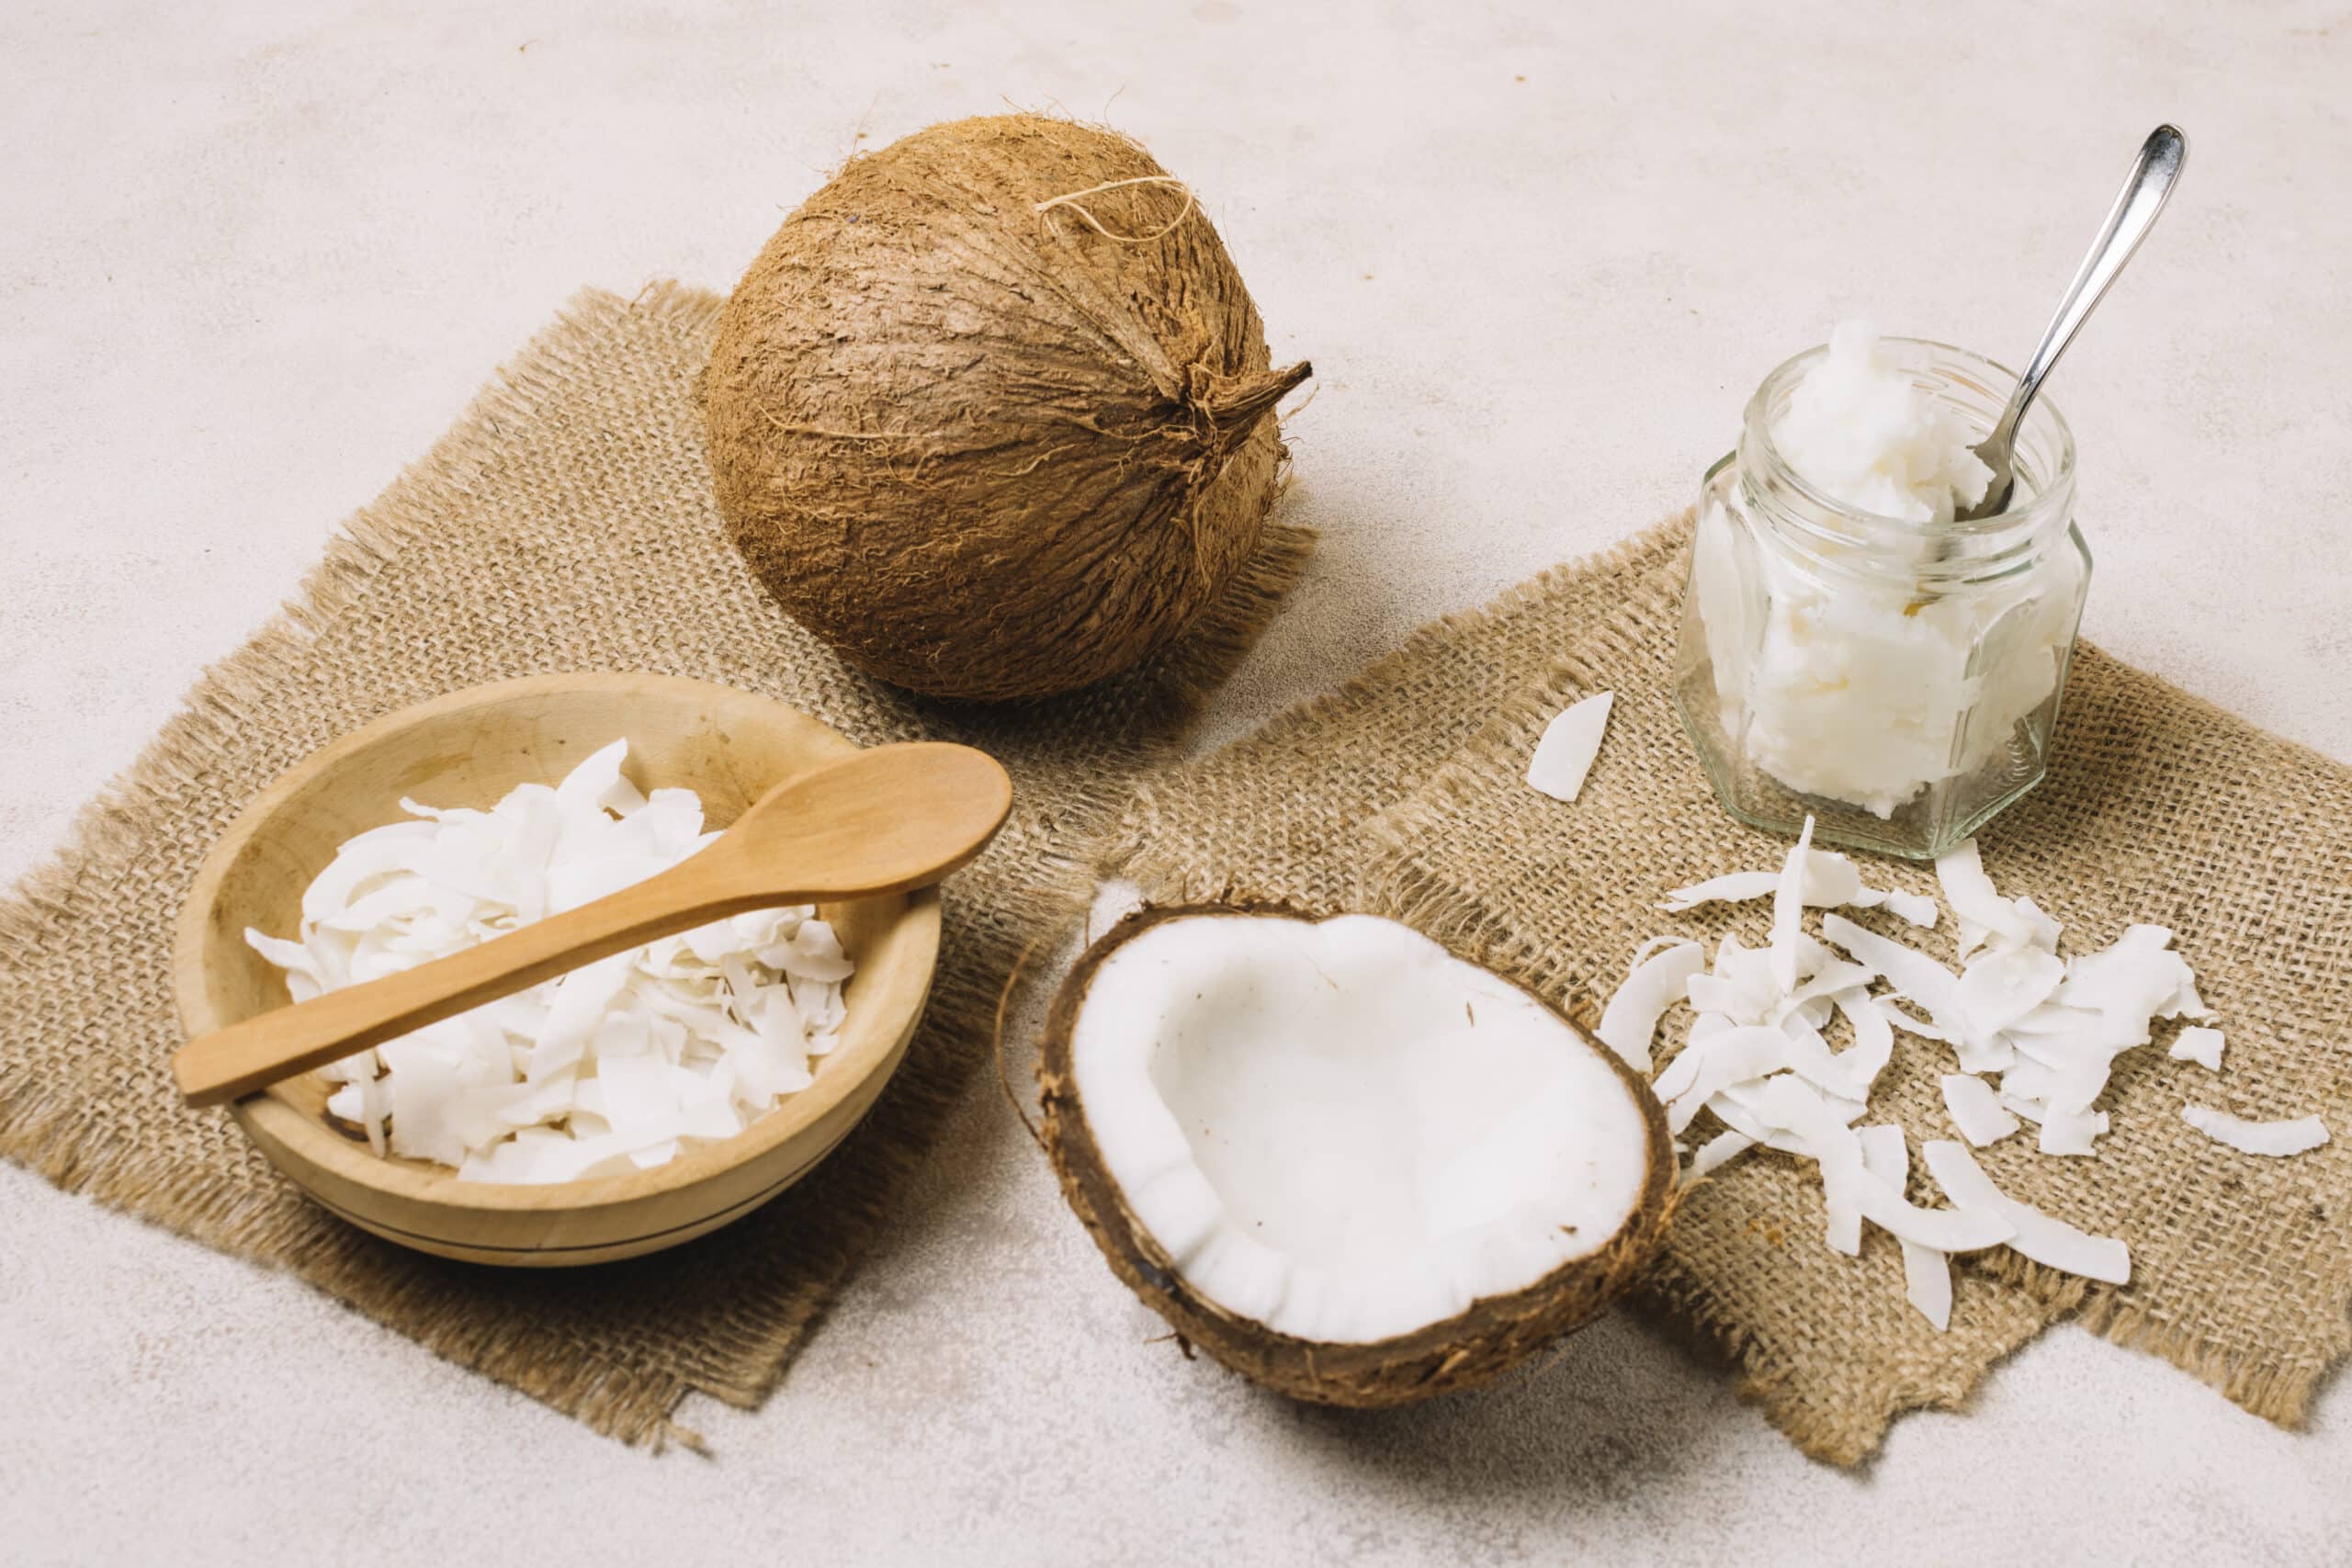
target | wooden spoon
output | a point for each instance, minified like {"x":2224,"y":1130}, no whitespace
{"x":884,"y":820}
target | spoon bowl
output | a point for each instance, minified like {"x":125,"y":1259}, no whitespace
{"x":470,"y":749}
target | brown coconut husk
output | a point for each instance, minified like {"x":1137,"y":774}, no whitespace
{"x":992,"y":413}
{"x":1496,"y":1334}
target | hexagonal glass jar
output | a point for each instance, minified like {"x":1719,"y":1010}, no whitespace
{"x":1897,"y":680}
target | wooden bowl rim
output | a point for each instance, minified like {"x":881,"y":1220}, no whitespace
{"x":268,"y":1116}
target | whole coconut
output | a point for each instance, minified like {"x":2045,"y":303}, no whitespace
{"x":985,"y":441}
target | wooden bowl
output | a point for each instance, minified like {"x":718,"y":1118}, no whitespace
{"x":470,"y":749}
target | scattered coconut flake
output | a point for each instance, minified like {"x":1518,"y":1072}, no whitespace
{"x":1938,"y":1230}
{"x":1873,"y":1045}
{"x":2047,"y":1027}
{"x":1811,"y":1059}
{"x":2130,"y":984}
{"x":2273,"y":1138}
{"x":2067,"y":1131}
{"x":1734,"y":1056}
{"x":1999,"y":988}
{"x":1927,"y":1273}
{"x":1983,"y":1054}
{"x":613,"y":1066}
{"x":1911,"y":909}
{"x":1788,"y":911}
{"x":1830,"y":879}
{"x":1654,"y":984}
{"x":1743,"y":1120}
{"x":1565,"y":755}
{"x":2047,"y":1241}
{"x":1961,"y":871}
{"x":1737,"y":887}
{"x":1913,"y":974}
{"x":1715,"y":1151}
{"x":1976,"y":1109}
{"x":1834,"y":1146}
{"x":1826,"y":983}
{"x":2199,"y":1044}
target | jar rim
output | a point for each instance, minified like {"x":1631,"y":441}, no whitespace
{"x":2044,"y":448}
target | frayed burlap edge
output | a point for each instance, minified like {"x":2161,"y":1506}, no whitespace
{"x":66,"y":1142}
{"x":1135,"y":851}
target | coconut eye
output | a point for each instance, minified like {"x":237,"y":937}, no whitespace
{"x":1339,"y":1157}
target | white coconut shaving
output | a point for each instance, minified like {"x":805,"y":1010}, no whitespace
{"x":1565,"y":755}
{"x":614,"y":1067}
{"x":1976,"y":1109}
{"x":1654,"y":983}
{"x":2199,"y":1044}
{"x":2033,"y":1033}
{"x":1926,"y":1272}
{"x":1830,"y":880}
{"x":2045,"y":1240}
{"x":2276,"y":1139}
{"x":1715,"y":1151}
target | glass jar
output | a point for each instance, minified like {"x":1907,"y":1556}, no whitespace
{"x":1897,"y":680}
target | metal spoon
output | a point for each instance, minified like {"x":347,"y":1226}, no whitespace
{"x":2134,"y":212}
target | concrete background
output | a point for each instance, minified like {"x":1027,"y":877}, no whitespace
{"x":253,"y":257}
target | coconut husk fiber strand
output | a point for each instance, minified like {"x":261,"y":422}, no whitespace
{"x":566,"y":522}
{"x":1404,"y":794}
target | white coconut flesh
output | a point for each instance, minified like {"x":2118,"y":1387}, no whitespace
{"x":1342,"y":1132}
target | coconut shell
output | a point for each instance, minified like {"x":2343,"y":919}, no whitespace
{"x":989,"y":446}
{"x":1479,"y":1345}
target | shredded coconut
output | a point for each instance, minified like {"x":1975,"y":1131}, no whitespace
{"x":2273,"y":1138}
{"x":2048,"y":1028}
{"x":614,"y":1067}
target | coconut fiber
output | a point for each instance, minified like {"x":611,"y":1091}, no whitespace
{"x":1404,"y":794}
{"x":566,"y":523}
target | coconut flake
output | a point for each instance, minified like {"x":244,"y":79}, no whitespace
{"x":1734,"y":1056}
{"x":1738,"y":887}
{"x":2200,"y":1045}
{"x":2045,"y":1240}
{"x":2130,"y":984}
{"x":2069,"y":1131}
{"x":1830,"y":879}
{"x":1565,"y":755}
{"x":1998,"y":988}
{"x":2272,"y":1138}
{"x":1911,"y":909}
{"x":613,"y":1066}
{"x":1654,"y":985}
{"x":1833,"y":1145}
{"x":1976,"y":1109}
{"x":1913,"y":974}
{"x":1788,"y":911}
{"x":1927,"y":1273}
{"x":1723,"y":1147}
{"x":1873,"y":1045}
{"x":1961,"y":871}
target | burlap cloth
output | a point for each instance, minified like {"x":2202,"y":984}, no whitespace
{"x":1403,"y":794}
{"x":565,"y":523}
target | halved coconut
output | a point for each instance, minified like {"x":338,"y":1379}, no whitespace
{"x":1343,"y":1161}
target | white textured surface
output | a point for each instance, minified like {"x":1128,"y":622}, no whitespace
{"x":253,"y":258}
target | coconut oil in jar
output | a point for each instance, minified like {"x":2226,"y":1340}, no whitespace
{"x":1851,"y":651}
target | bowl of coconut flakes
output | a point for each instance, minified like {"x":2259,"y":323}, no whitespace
{"x":627,"y":1106}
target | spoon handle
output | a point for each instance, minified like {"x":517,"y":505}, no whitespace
{"x":251,"y":1055}
{"x":2128,"y":221}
